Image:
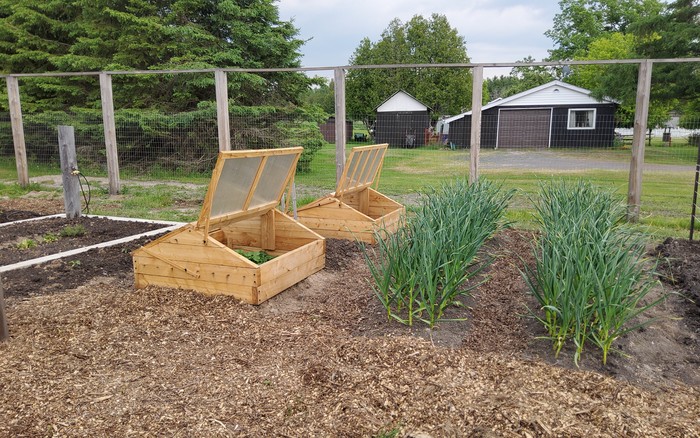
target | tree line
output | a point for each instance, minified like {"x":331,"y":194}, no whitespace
{"x":96,"y":35}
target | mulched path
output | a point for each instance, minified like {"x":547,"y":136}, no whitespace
{"x":320,"y":359}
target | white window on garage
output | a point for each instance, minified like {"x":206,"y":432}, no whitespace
{"x":583,"y":118}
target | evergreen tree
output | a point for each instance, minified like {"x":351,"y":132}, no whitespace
{"x":95,"y":35}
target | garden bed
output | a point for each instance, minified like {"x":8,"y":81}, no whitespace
{"x":39,"y":237}
{"x":90,"y":353}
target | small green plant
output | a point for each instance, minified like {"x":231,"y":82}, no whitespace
{"x":257,"y":257}
{"x":73,"y":231}
{"x":26,"y":244}
{"x":50,"y":237}
{"x":391,"y":433}
{"x":74,"y":263}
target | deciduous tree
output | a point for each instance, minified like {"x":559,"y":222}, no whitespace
{"x":418,"y":41}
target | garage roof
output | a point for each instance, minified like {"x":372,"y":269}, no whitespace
{"x":551,"y":93}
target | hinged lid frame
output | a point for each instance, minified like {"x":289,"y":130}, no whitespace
{"x":258,"y":181}
{"x":361,"y":169}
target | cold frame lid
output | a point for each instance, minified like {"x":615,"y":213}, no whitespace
{"x":361,"y":169}
{"x":246,"y":183}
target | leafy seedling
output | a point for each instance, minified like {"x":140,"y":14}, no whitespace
{"x":50,"y":237}
{"x":73,"y":231}
{"x":26,"y":244}
{"x":257,"y":257}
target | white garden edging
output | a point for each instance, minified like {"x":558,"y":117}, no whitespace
{"x":27,"y":263}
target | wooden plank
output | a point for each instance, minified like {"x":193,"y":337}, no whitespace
{"x":341,"y":211}
{"x":110,"y":133}
{"x":222,"y":115}
{"x":192,"y":272}
{"x":225,"y":275}
{"x":242,"y":215}
{"x":340,"y":134}
{"x":377,"y":211}
{"x":247,"y":153}
{"x":319,"y":203}
{"x":365,"y":235}
{"x":291,"y":260}
{"x":475,"y":140}
{"x":247,"y":294}
{"x":255,"y":182}
{"x":285,"y":281}
{"x":324,"y":225}
{"x":188,"y":235}
{"x":641,"y":112}
{"x":283,"y":219}
{"x":180,"y":253}
{"x":376,"y":197}
{"x":203,"y":221}
{"x":69,"y":165}
{"x":392,"y":221}
{"x":363,"y":201}
{"x":17,"y":131}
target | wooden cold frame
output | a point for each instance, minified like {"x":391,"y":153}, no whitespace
{"x":355,"y":210}
{"x":238,"y":213}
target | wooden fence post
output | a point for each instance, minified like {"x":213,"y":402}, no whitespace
{"x":641,"y":112}
{"x":110,"y":133}
{"x":222,"y":117}
{"x":4,"y":333}
{"x":69,"y":165}
{"x":17,"y":131}
{"x":340,"y":130}
{"x":475,"y":141}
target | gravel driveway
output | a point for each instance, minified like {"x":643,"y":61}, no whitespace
{"x":490,"y":159}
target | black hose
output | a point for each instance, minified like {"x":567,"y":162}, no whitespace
{"x":87,"y":197}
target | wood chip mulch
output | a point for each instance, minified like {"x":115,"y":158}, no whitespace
{"x":107,"y":360}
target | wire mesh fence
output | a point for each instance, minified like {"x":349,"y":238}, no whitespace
{"x":521,"y":145}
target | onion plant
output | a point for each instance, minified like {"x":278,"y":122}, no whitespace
{"x":590,"y":274}
{"x":421,"y":270}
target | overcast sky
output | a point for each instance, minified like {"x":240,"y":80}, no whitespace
{"x":495,"y":30}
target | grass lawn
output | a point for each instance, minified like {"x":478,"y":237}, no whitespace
{"x":666,"y":195}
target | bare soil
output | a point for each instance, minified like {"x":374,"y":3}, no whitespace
{"x":56,"y":234}
{"x":91,"y":356}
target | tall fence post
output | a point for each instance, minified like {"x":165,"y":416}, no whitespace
{"x":110,"y":133}
{"x":4,"y":333}
{"x":340,"y":130}
{"x":222,"y":117}
{"x":69,"y":165}
{"x":475,"y":140}
{"x":641,"y":112}
{"x":17,"y":131}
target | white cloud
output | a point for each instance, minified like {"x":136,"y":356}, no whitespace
{"x":495,"y":30}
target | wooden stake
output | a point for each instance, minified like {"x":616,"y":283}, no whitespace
{"x":340,"y":134}
{"x":110,"y":133}
{"x":69,"y":167}
{"x":475,"y":142}
{"x":224,"y":124}
{"x":17,"y":131}
{"x":641,"y":112}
